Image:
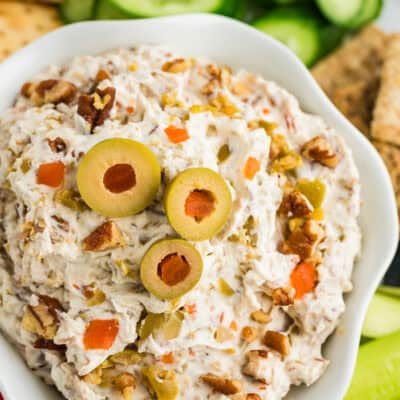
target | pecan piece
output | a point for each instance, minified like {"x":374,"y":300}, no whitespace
{"x":48,"y":344}
{"x":57,"y":145}
{"x":295,"y":204}
{"x":210,"y":87}
{"x":104,"y":237}
{"x":42,"y":319}
{"x":222,"y":385}
{"x":96,"y":108}
{"x":320,"y":150}
{"x":49,"y":91}
{"x":304,"y":240}
{"x":278,"y":342}
{"x":282,"y":297}
{"x":101,"y":75}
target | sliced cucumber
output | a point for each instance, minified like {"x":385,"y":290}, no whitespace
{"x":370,"y":10}
{"x":158,"y":8}
{"x":340,"y":12}
{"x":296,"y":27}
{"x":390,"y":290}
{"x":331,"y":37}
{"x":383,"y":316}
{"x":377,"y":374}
{"x":76,"y":10}
{"x":106,"y":10}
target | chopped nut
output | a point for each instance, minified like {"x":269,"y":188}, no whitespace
{"x":126,"y":384}
{"x":260,"y":316}
{"x":278,"y":342}
{"x":61,"y":223}
{"x":278,"y":148}
{"x":241,"y":88}
{"x":57,"y":145}
{"x":248,"y":333}
{"x":49,"y":91}
{"x":222,"y":104}
{"x":282,"y":297}
{"x":255,"y":364}
{"x":213,"y":70}
{"x":252,"y":396}
{"x":101,"y":75}
{"x":176,"y":66}
{"x":48,"y":344}
{"x":42,"y":319}
{"x":225,"y":76}
{"x":320,"y":150}
{"x":295,"y":204}
{"x":304,"y":240}
{"x":210,"y":87}
{"x":96,"y":108}
{"x":105,"y":237}
{"x":222,"y":385}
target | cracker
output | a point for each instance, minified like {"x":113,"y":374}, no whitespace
{"x":20,"y":23}
{"x":391,"y":156}
{"x":353,"y":73}
{"x":386,"y":121}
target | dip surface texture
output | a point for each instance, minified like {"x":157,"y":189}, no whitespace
{"x":272,"y":279}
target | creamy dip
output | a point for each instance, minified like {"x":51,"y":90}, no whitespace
{"x":247,"y":322}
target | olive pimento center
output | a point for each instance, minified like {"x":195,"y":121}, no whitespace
{"x":173,"y":269}
{"x":199,"y":204}
{"x":119,"y":178}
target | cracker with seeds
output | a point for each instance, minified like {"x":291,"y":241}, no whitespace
{"x":350,"y":76}
{"x":386,"y":121}
{"x":20,"y":23}
{"x":391,"y":156}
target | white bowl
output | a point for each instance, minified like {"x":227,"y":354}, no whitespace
{"x":237,"y":45}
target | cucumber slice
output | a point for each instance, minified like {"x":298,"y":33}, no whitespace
{"x":331,"y":37}
{"x":106,"y":10}
{"x":370,"y":10}
{"x":389,"y":290}
{"x":377,"y":374}
{"x":76,"y":10}
{"x":340,"y":12}
{"x":158,"y":8}
{"x":383,"y":316}
{"x":296,"y":27}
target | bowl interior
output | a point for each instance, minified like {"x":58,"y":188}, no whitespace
{"x":230,"y":42}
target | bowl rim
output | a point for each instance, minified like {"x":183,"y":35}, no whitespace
{"x":325,"y":104}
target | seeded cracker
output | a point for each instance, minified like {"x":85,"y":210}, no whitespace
{"x":21,"y":23}
{"x":350,"y":76}
{"x":391,"y":156}
{"x":386,"y":122}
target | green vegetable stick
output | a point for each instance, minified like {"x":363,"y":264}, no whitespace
{"x":377,"y":374}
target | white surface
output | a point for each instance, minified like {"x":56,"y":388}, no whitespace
{"x":389,"y":20}
{"x":238,"y":45}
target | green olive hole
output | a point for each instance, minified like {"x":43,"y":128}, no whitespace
{"x":173,"y":269}
{"x":199,"y":204}
{"x":119,"y":178}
